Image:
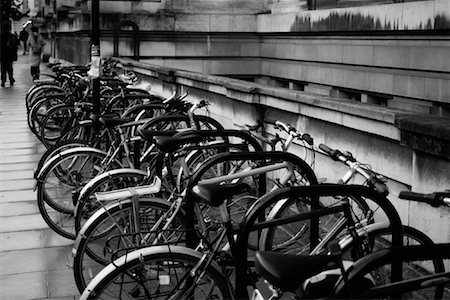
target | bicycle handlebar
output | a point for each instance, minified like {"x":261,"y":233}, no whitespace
{"x":372,"y":179}
{"x":435,"y":199}
{"x":294,"y":132}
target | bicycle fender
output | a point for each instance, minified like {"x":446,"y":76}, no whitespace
{"x":102,"y":210}
{"x":63,"y":155}
{"x":346,"y":240}
{"x":91,"y":183}
{"x":138,"y":254}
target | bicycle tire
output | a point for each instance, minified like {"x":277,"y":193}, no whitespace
{"x":38,"y":112}
{"x":159,"y":256}
{"x":294,"y":237}
{"x":378,"y":240}
{"x":89,"y":249}
{"x":430,"y":284}
{"x":39,"y":92}
{"x":57,"y":186}
{"x":58,"y":148}
{"x":55,"y":120}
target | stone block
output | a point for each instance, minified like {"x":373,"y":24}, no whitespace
{"x":23,"y":286}
{"x":380,"y":82}
{"x":193,"y":65}
{"x":114,"y":6}
{"x":233,"y":23}
{"x":409,"y":86}
{"x":193,"y":22}
{"x":357,"y":54}
{"x":268,"y":49}
{"x":306,"y":51}
{"x":430,"y":57}
{"x":318,"y":89}
{"x":285,"y":51}
{"x":193,"y":48}
{"x":61,"y":283}
{"x":330,"y":53}
{"x":157,"y":48}
{"x":430,"y":175}
{"x":429,"y":134}
{"x":250,"y":49}
{"x":224,"y":48}
{"x":231,"y":66}
{"x":444,"y":90}
{"x":391,"y":56}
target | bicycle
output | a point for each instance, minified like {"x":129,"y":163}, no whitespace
{"x":93,"y":234}
{"x":62,"y":178}
{"x":137,"y":272}
{"x":358,"y":281}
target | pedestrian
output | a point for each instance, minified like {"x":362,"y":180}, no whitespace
{"x":36,"y":43}
{"x":23,"y":36}
{"x":8,"y":56}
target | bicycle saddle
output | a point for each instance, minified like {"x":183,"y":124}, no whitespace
{"x":288,"y":272}
{"x":167,"y":143}
{"x":215,"y":194}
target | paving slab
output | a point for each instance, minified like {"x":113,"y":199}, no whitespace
{"x":40,"y":259}
{"x":17,"y":196}
{"x":21,"y":174}
{"x":23,"y":286}
{"x":22,"y":222}
{"x":18,"y":166}
{"x":35,"y":262}
{"x":14,"y":185}
{"x":18,"y":208}
{"x":32,"y":239}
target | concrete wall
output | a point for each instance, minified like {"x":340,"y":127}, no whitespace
{"x":371,"y":133}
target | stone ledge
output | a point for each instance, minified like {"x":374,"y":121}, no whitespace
{"x":429,"y":134}
{"x":365,"y":117}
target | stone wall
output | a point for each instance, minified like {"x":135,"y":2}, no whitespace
{"x":374,"y":135}
{"x":399,"y":59}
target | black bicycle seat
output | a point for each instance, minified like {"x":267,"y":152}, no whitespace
{"x":288,"y":272}
{"x":215,"y":194}
{"x":172,"y":143}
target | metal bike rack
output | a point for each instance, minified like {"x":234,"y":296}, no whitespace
{"x":135,"y":35}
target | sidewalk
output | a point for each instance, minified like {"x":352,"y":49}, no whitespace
{"x":35,"y":263}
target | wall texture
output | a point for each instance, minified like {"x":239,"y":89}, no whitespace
{"x":394,"y":55}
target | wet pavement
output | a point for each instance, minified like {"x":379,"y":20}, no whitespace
{"x":35,"y":262}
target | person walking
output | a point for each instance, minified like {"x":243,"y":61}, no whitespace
{"x":8,"y":56}
{"x":36,"y":43}
{"x":23,"y":36}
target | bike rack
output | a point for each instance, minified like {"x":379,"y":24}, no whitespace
{"x":135,"y":35}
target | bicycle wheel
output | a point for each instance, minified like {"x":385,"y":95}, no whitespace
{"x":64,"y":176}
{"x":41,"y":92}
{"x":161,"y":272}
{"x":38,"y":112}
{"x":55,"y":121}
{"x":294,"y":237}
{"x":110,"y":233}
{"x":58,"y":148}
{"x":380,"y":238}
{"x":87,"y":203}
{"x":84,"y":131}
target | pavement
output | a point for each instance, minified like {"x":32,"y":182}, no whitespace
{"x":35,"y":262}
